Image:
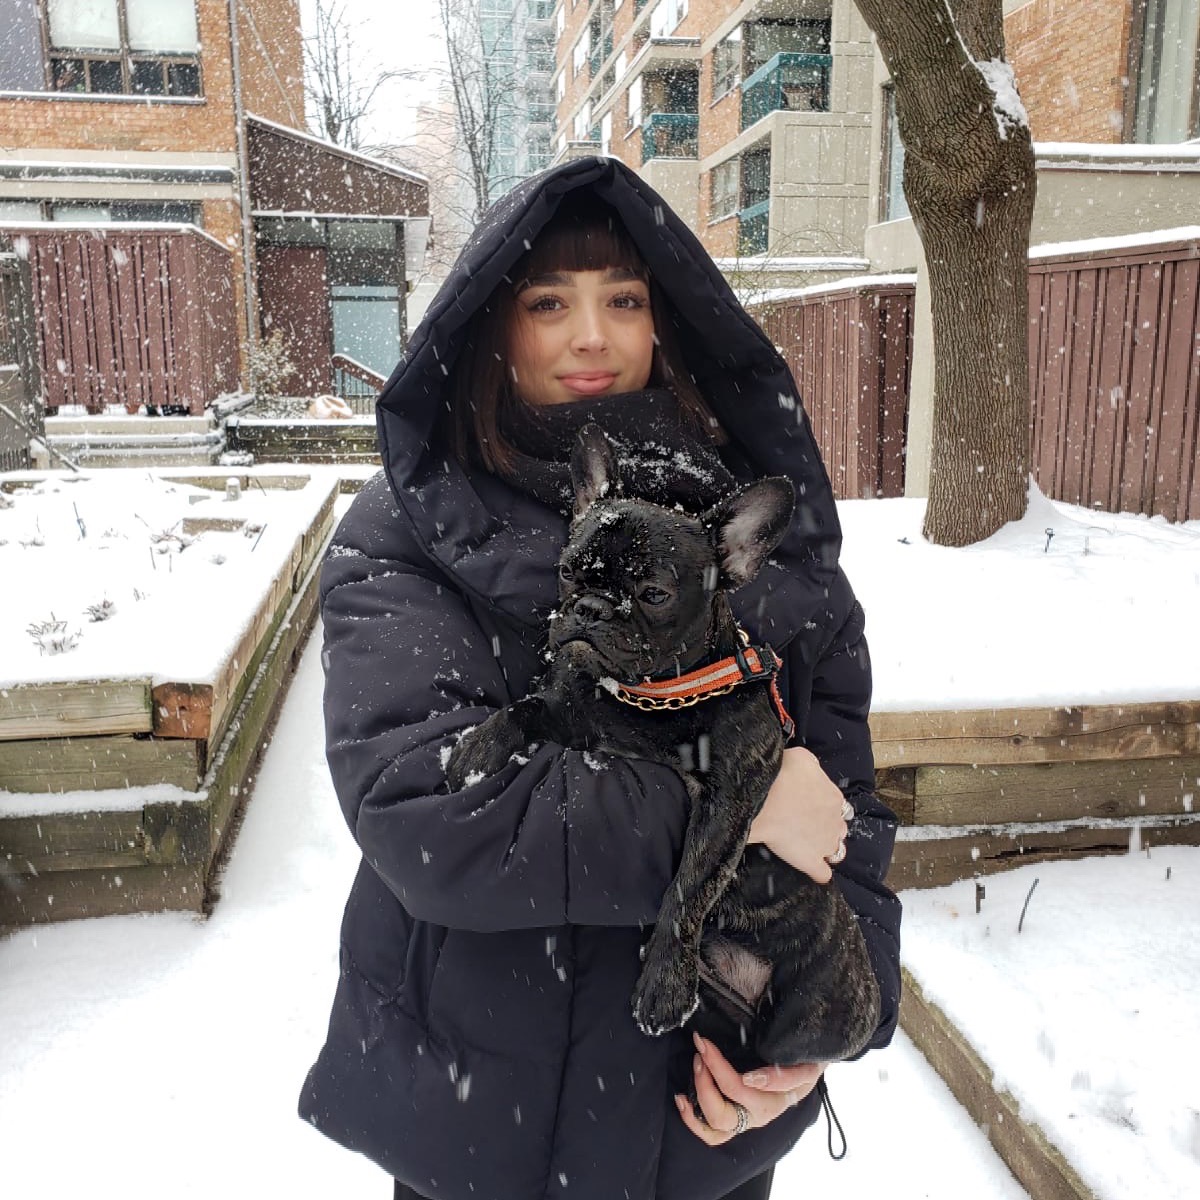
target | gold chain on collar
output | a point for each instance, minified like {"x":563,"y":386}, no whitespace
{"x":670,"y":703}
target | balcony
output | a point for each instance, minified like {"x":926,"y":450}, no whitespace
{"x":670,"y":135}
{"x":788,"y":82}
{"x":753,"y":227}
{"x":601,"y":53}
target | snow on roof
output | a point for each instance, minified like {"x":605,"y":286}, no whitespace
{"x":367,"y":160}
{"x":834,"y":285}
{"x":103,"y":227}
{"x":767,"y":263}
{"x":1184,"y":233}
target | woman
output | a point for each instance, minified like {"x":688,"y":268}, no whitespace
{"x":481,"y":1042}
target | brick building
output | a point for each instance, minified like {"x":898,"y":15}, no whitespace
{"x":190,"y":113}
{"x":752,"y":117}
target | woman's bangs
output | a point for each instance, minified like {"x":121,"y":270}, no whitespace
{"x":591,"y":243}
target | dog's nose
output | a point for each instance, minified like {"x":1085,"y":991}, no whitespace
{"x":591,"y":609}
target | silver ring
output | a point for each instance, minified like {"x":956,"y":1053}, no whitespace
{"x":847,"y":811}
{"x":837,"y":856}
{"x":743,"y":1118}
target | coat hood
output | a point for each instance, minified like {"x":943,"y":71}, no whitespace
{"x":489,"y":535}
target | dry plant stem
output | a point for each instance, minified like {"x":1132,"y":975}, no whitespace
{"x":971,"y":192}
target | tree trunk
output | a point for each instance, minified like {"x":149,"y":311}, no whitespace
{"x":970,"y":183}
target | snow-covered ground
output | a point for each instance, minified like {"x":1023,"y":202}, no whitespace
{"x":153,"y":1056}
{"x":146,"y":1057}
{"x":114,"y":563}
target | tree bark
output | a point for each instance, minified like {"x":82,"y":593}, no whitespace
{"x":970,"y":183}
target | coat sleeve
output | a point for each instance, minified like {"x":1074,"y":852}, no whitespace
{"x":556,"y":839}
{"x":837,"y":734}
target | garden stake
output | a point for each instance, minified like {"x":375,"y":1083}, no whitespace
{"x":1024,"y":906}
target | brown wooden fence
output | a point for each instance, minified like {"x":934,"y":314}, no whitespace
{"x":132,"y":317}
{"x":850,"y":350}
{"x":1115,"y":378}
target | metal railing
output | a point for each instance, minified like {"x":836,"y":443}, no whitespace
{"x":791,"y":82}
{"x":670,"y":135}
{"x":357,"y":384}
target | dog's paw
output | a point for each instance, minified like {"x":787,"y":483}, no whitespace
{"x":480,"y":753}
{"x":665,"y":998}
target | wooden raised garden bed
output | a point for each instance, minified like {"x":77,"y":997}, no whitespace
{"x":117,"y":794}
{"x":981,"y":790}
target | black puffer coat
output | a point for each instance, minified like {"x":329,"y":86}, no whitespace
{"x":481,"y":1043}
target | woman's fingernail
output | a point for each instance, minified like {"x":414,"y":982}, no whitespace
{"x":679,"y":1101}
{"x":701,"y":1044}
{"x":697,"y":1064}
{"x":755,"y":1079}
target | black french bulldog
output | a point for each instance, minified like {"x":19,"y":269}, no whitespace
{"x":768,"y":964}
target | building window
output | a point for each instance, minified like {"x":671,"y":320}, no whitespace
{"x":140,"y":211}
{"x":666,"y":18}
{"x":606,"y":134}
{"x":560,"y":85}
{"x":124,"y":47}
{"x":634,"y":100}
{"x":895,"y":204}
{"x":1167,"y":102}
{"x":727,"y":64}
{"x":560,"y":22}
{"x":723,"y":193}
{"x":580,"y":54}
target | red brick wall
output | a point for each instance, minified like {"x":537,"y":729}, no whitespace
{"x":271,"y":49}
{"x":1070,"y":59}
{"x":109,"y":124}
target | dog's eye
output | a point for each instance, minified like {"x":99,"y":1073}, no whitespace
{"x":566,"y":574}
{"x":653,"y":595}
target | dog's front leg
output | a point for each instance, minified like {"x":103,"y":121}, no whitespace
{"x":668,"y":990}
{"x":482,"y":751}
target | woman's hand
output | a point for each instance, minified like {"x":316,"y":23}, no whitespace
{"x":731,"y":1104}
{"x":803,"y":819}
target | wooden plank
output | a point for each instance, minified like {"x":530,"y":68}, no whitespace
{"x":963,"y":795}
{"x":191,"y":710}
{"x":70,"y":842}
{"x":99,"y":763}
{"x":1037,"y":1163}
{"x":49,"y":710}
{"x":235,"y":766}
{"x":1050,"y":734}
{"x":942,"y":856}
{"x":67,"y":896}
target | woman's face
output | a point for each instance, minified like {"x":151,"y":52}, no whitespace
{"x":581,"y":333}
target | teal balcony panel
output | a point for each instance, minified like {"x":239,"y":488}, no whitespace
{"x":753,"y":228}
{"x":670,"y":135}
{"x":787,"y":82}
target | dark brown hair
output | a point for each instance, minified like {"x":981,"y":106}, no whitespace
{"x":585,"y":234}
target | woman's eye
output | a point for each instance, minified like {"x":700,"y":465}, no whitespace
{"x":629,"y":300}
{"x":653,"y":595}
{"x":546,"y":304}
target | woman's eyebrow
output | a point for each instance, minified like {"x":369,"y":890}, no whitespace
{"x":621,"y":275}
{"x":553,"y":279}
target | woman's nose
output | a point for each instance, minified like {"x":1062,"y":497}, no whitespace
{"x":589,"y":333}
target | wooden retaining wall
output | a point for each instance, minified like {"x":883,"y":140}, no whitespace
{"x":205,"y":739}
{"x":344,"y":441}
{"x":980,"y":791}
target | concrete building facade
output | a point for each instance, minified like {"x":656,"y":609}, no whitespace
{"x":752,"y":117}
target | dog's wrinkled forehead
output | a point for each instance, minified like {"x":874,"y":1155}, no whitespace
{"x":620,"y":538}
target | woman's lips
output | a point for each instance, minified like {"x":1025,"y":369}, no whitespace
{"x":588,"y":383}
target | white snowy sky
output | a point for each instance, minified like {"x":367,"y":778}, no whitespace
{"x":405,"y":35}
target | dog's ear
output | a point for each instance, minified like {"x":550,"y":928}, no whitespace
{"x":748,"y":525}
{"x":593,"y":468}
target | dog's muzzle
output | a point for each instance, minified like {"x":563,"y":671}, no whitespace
{"x":591,"y":609}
